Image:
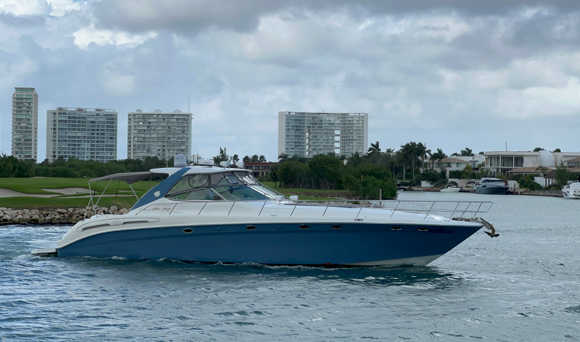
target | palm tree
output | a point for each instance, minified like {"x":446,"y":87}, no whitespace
{"x":438,"y":156}
{"x":467,"y":152}
{"x":222,"y":156}
{"x":374,"y":148}
{"x":430,"y":155}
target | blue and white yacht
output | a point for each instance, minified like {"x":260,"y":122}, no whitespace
{"x":214,"y":214}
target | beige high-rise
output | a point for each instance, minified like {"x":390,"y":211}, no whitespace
{"x":158,"y":134}
{"x":81,"y":133}
{"x":24,"y":123}
{"x":306,"y":134}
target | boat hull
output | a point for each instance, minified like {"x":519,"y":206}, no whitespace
{"x":338,"y":244}
{"x":570,"y":196}
{"x":492,"y":190}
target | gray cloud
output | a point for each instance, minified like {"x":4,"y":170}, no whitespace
{"x":182,"y":15}
{"x":243,"y":16}
{"x":448,"y":73}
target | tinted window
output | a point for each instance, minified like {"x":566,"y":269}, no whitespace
{"x":239,"y":193}
{"x":197,"y":195}
{"x":190,"y":182}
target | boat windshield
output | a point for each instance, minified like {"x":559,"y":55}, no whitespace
{"x":228,"y":186}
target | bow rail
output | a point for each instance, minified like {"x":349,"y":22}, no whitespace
{"x":451,"y":209}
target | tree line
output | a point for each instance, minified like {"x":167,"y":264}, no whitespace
{"x":73,"y":168}
{"x":223,"y":156}
{"x":365,"y":174}
{"x":360,"y":174}
{"x":364,"y":179}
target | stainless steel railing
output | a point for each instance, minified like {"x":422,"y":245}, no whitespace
{"x":450,"y":209}
{"x":444,"y":208}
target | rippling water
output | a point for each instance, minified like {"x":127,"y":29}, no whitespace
{"x":522,"y":286}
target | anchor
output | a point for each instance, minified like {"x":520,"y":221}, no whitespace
{"x":492,"y":233}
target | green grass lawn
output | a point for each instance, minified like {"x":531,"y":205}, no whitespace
{"x":35,"y":185}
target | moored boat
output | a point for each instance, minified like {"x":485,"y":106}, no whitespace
{"x":214,"y":214}
{"x":493,"y":186}
{"x":451,"y":187}
{"x":571,"y":190}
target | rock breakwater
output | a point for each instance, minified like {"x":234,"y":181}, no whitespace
{"x":9,"y":216}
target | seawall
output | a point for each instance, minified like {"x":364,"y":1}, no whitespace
{"x":52,"y":216}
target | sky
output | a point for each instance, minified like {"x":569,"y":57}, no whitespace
{"x":447,"y":73}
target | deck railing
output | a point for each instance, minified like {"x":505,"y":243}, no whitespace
{"x":443,"y":208}
{"x":450,"y":209}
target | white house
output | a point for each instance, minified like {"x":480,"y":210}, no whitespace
{"x":458,"y":163}
{"x":452,"y":164}
{"x":499,"y":162}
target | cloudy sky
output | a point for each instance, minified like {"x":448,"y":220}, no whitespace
{"x":448,"y":73}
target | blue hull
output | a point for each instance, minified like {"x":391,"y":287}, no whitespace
{"x":275,"y":244}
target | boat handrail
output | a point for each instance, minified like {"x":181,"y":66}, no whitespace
{"x":449,"y":209}
{"x":461,"y":209}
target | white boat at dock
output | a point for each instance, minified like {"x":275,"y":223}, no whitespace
{"x":571,"y":190}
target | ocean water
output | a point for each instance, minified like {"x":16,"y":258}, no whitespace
{"x":522,"y":286}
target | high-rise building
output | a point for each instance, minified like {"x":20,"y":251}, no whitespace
{"x":306,"y":134}
{"x":24,"y":123}
{"x":158,"y":134}
{"x":81,"y":133}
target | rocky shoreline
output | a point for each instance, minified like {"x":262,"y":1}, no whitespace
{"x":52,"y":216}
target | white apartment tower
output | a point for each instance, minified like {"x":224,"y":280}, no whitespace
{"x":81,"y":133}
{"x":158,"y":134}
{"x":305,"y":134}
{"x":24,"y":123}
